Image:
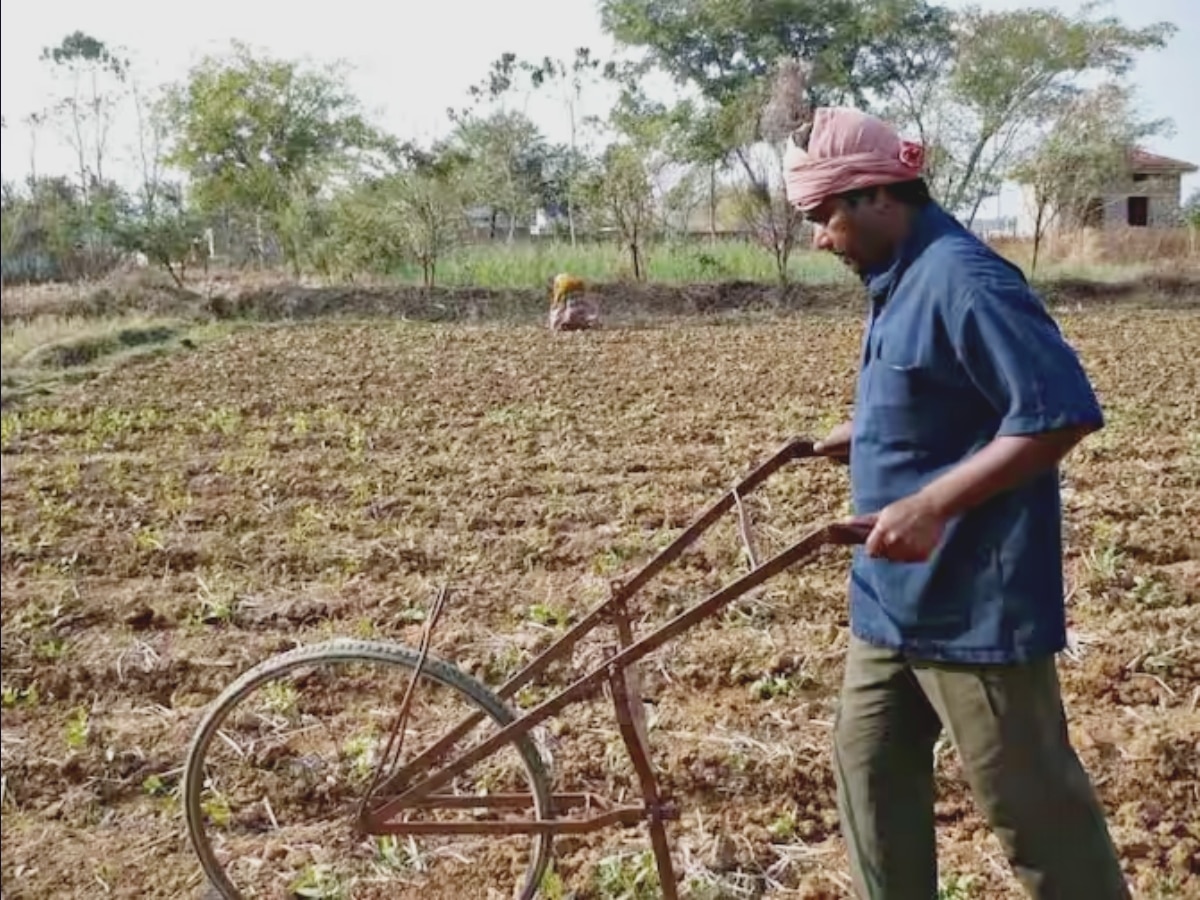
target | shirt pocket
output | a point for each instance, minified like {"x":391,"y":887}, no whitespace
{"x":901,"y":403}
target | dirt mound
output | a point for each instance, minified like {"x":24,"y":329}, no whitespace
{"x":402,"y":302}
{"x":723,"y":297}
{"x":629,"y":302}
{"x":144,"y":291}
{"x":619,"y":301}
{"x":1178,"y":291}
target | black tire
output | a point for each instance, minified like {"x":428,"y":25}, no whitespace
{"x":345,"y":650}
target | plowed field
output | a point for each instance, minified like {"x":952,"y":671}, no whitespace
{"x":173,"y":522}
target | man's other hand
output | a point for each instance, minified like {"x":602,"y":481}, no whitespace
{"x":836,"y":444}
{"x":908,"y":530}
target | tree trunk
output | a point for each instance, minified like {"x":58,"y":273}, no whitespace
{"x":177,"y":277}
{"x":712,"y":202}
{"x":958,"y":196}
{"x":635,"y":255}
{"x":33,"y":130}
{"x":97,"y":111}
{"x":571,"y":177}
{"x":80,"y":152}
{"x":1038,"y":227}
{"x":782,"y":253}
{"x":259,"y":250}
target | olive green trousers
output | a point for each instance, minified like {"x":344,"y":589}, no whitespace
{"x":1009,"y":729}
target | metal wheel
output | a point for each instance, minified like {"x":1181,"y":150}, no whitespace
{"x":281,"y":761}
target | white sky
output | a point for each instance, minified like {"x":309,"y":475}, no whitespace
{"x":407,"y":74}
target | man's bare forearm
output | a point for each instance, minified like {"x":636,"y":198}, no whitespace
{"x":1003,"y":464}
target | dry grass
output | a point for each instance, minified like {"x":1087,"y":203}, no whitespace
{"x":27,"y":344}
{"x":1111,"y":255}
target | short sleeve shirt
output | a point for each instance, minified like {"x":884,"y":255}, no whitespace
{"x":957,"y":350}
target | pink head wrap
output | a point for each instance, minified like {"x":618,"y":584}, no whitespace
{"x":847,"y":150}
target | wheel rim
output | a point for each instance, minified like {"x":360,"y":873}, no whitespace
{"x":309,"y":734}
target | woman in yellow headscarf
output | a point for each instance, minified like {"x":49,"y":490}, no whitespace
{"x":571,"y":309}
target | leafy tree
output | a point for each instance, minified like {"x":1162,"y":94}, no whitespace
{"x":159,"y":223}
{"x":1012,"y":75}
{"x":682,"y":199}
{"x":254,"y":133}
{"x":724,"y":51}
{"x":430,"y":205}
{"x":1086,"y":150}
{"x":727,"y":55}
{"x":51,"y":232}
{"x":516,"y":169}
{"x":1191,"y":209}
{"x":773,"y":221}
{"x":564,"y":172}
{"x":509,"y":157}
{"x":415,"y":213}
{"x":366,"y":233}
{"x":621,"y":197}
{"x":166,"y":231}
{"x":41,"y":222}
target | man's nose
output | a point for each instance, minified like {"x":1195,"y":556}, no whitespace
{"x":821,"y":239}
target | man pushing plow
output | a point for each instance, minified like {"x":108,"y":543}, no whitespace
{"x":968,"y":398}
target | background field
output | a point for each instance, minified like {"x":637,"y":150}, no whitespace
{"x":169,"y":522}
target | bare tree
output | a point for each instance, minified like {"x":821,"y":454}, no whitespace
{"x":1086,"y":149}
{"x":96,"y":78}
{"x":764,"y":208}
{"x":622,"y":195}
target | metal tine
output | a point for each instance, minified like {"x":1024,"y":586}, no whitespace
{"x":746,"y":530}
{"x":395,"y":744}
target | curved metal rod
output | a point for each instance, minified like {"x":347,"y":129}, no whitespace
{"x":794,"y":449}
{"x":587,"y":685}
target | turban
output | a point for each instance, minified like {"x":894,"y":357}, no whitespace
{"x":847,"y":150}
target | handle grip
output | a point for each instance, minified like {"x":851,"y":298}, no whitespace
{"x":802,"y":448}
{"x":849,"y":532}
{"x":806,"y":448}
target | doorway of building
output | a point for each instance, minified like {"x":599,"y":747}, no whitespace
{"x":1138,"y":212}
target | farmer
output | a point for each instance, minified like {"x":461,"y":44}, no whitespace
{"x":968,"y":398}
{"x":570,"y":307}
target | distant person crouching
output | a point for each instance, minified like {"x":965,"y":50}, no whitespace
{"x":571,"y":308}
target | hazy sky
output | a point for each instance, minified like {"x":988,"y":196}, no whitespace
{"x":407,"y":74}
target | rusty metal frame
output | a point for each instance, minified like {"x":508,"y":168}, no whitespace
{"x":399,"y":790}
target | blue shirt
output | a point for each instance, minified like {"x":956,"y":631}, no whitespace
{"x":958,"y":350}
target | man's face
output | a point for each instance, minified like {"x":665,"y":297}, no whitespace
{"x":859,"y":231}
